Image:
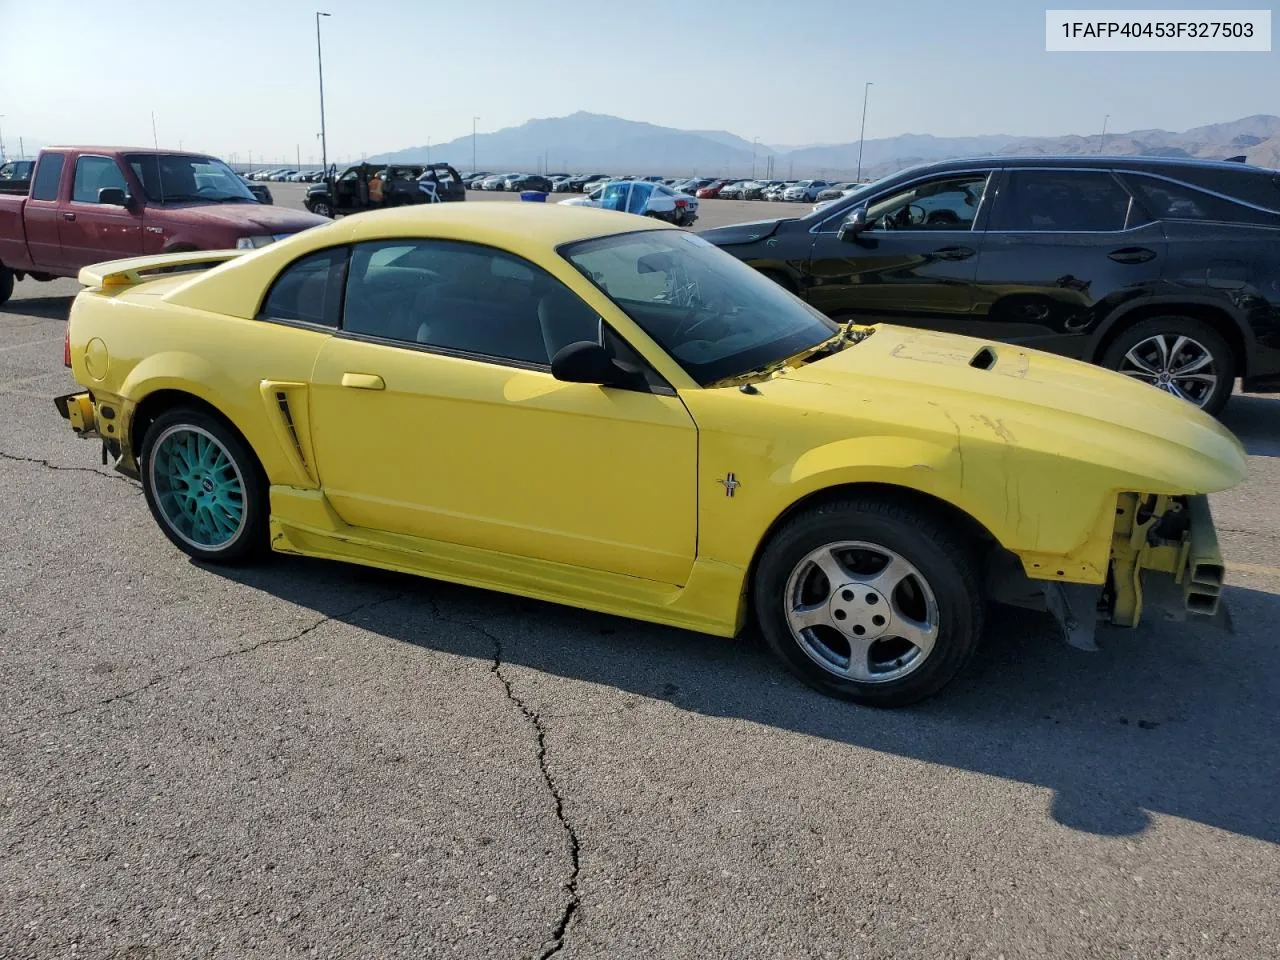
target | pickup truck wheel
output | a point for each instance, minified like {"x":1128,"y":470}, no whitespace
{"x":204,"y":487}
{"x":1179,"y":355}
{"x":322,"y":209}
{"x":870,"y":600}
{"x":6,"y":284}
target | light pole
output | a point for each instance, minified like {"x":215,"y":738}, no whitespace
{"x":1103,"y":139}
{"x":754,"y":141}
{"x":324,"y":146}
{"x":428,"y":151}
{"x":473,"y":143}
{"x":2,"y":116}
{"x":866,"y":90}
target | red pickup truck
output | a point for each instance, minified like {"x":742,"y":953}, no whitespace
{"x":89,"y":204}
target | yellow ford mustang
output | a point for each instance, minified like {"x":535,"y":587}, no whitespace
{"x":600,"y":410}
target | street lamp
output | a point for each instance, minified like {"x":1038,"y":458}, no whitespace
{"x":324,"y":146}
{"x":2,"y":116}
{"x":754,"y":141}
{"x":862,"y":136}
{"x":473,"y":143}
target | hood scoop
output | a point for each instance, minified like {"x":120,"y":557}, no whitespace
{"x":984,"y":359}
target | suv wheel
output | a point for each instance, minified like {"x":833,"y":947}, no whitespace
{"x":870,"y":600}
{"x":322,"y":209}
{"x":1179,"y":355}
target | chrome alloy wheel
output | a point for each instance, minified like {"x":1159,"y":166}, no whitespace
{"x":198,"y":487}
{"x":1176,"y":364}
{"x":861,"y":611}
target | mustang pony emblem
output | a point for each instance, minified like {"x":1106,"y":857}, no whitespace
{"x":730,"y":484}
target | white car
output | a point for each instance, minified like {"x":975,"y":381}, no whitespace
{"x":826,"y":203}
{"x":641,"y":197}
{"x":805,"y":190}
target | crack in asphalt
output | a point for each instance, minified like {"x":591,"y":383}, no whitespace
{"x":572,"y":900}
{"x":55,"y":466}
{"x":189,"y":667}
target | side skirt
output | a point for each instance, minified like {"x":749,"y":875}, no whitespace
{"x":304,"y":523}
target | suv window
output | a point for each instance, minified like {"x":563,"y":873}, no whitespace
{"x":48,"y":176}
{"x":949,"y":203}
{"x":1168,"y":200}
{"x":92,"y":175}
{"x":1061,"y":201}
{"x":463,"y":298}
{"x":309,"y":290}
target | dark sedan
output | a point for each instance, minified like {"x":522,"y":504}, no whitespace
{"x":1165,"y":270}
{"x":531,"y":181}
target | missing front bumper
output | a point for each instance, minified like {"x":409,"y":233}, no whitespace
{"x":1164,"y":537}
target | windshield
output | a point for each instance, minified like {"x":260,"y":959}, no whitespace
{"x":177,"y":178}
{"x":712,"y":313}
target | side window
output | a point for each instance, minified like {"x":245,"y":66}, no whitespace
{"x":309,"y":290}
{"x":464,"y":298}
{"x":1052,"y":201}
{"x":1167,"y":200}
{"x":48,"y":176}
{"x":950,"y":203}
{"x":92,"y":175}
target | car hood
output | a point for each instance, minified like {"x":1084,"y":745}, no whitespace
{"x":742,"y":232}
{"x":1030,"y":405}
{"x":245,"y":216}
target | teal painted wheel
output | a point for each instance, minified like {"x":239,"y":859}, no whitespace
{"x":199,"y":491}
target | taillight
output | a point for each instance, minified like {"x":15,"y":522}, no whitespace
{"x":682,"y":203}
{"x":66,"y":348}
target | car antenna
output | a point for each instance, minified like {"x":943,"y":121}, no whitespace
{"x":156,"y":140}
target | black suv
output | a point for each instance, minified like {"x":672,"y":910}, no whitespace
{"x":372,"y":186}
{"x":1166,"y":270}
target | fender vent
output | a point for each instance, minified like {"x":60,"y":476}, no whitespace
{"x":282,"y":400}
{"x":984,"y":359}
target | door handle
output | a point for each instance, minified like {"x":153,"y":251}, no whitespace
{"x":1132,"y":255}
{"x":363,"y":381}
{"x":68,"y":216}
{"x":953,"y":253}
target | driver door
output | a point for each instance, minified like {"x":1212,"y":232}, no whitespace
{"x":915,"y":263}
{"x":435,"y":414}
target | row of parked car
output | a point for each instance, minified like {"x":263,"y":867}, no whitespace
{"x":704,"y":188}
{"x":287,"y":175}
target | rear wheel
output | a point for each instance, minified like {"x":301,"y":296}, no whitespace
{"x":204,"y":487}
{"x":870,"y":600}
{"x":6,"y":284}
{"x":1178,"y":355}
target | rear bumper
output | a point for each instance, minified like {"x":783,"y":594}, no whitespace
{"x":79,"y":411}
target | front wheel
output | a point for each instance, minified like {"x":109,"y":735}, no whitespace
{"x":870,"y":600}
{"x":1179,"y":355}
{"x":204,"y":487}
{"x":322,"y":209}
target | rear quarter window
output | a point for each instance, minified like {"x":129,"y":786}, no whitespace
{"x":1172,"y":200}
{"x":48,"y":176}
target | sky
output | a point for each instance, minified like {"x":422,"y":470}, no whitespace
{"x":231,"y":78}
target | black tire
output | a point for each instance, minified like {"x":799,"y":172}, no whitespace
{"x":1202,"y":336}
{"x":251,"y":539}
{"x":321,"y":208}
{"x":946,"y":563}
{"x":6,"y":284}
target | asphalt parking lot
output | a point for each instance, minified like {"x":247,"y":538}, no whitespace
{"x":311,"y":759}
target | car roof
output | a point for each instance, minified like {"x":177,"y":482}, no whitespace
{"x":1086,"y":160}
{"x":511,"y":225}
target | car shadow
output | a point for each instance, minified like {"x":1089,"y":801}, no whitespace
{"x":1172,"y":719}
{"x":1256,"y":421}
{"x":51,"y":308}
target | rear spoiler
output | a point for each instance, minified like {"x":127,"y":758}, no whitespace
{"x":127,"y":273}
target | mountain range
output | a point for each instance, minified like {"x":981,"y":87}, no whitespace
{"x":592,"y":142}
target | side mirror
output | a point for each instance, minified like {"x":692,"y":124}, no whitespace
{"x":854,"y":224}
{"x":589,"y":362}
{"x":114,"y":196}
